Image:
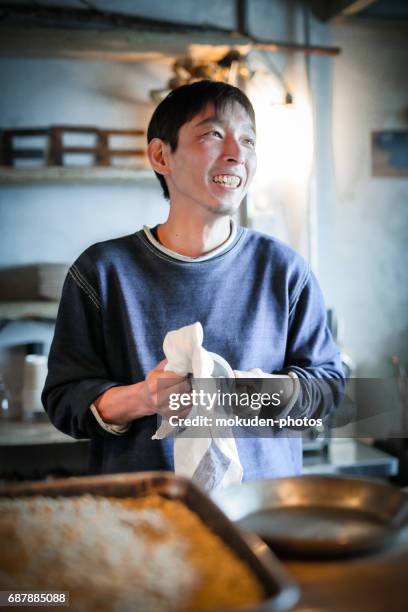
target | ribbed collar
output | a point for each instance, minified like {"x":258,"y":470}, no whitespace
{"x":150,"y":236}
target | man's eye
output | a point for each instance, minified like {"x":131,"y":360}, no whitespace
{"x":214,"y":133}
{"x":249,"y":141}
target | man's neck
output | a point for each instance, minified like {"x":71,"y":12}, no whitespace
{"x":194,"y":237}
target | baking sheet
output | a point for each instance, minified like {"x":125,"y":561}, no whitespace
{"x":281,"y":590}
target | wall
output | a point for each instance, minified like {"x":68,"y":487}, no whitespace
{"x":56,"y":222}
{"x":358,"y":240}
{"x":364,"y":272}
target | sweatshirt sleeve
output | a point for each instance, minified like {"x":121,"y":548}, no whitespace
{"x":312,"y":354}
{"x":77,"y":368}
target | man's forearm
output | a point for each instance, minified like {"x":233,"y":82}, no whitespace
{"x":121,"y":405}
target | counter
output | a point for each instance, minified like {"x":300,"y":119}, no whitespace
{"x":33,"y":449}
{"x":376,"y":582}
{"x":23,"y":433}
{"x":348,"y":456}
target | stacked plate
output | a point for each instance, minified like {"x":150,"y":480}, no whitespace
{"x":32,"y":282}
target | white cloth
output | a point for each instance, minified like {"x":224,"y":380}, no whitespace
{"x":211,"y":461}
{"x":291,"y":376}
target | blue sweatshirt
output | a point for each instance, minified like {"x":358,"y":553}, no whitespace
{"x":257,"y":300}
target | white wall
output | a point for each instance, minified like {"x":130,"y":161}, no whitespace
{"x":366,"y":273}
{"x":56,"y":223}
{"x":362,"y":220}
{"x":47,"y":222}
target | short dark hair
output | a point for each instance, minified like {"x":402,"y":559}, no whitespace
{"x":184,"y":103}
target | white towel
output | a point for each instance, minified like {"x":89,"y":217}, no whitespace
{"x":212,"y":462}
{"x":265,"y":388}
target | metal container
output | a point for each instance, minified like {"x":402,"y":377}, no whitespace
{"x":281,"y":590}
{"x":318,"y":515}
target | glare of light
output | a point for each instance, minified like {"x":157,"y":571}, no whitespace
{"x":284,"y":144}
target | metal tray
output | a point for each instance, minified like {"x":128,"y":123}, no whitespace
{"x":318,"y":516}
{"x":281,"y":590}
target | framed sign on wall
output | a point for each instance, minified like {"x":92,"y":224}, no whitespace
{"x":389,"y":153}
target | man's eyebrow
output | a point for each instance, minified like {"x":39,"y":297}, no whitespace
{"x":216,"y":119}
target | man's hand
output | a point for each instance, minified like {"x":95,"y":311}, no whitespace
{"x":156,"y":389}
{"x":121,"y":405}
{"x":246,"y":383}
{"x":259,"y":382}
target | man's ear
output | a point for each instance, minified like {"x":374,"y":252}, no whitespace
{"x":157,"y":152}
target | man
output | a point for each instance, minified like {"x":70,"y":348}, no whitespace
{"x":257,"y":300}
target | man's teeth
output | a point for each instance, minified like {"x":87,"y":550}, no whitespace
{"x":227,"y":179}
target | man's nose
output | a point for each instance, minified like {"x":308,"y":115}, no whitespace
{"x":233,"y":151}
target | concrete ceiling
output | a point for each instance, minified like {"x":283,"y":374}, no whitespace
{"x":379,"y":11}
{"x":374,"y":11}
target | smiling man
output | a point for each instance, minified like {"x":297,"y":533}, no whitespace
{"x":205,"y":168}
{"x":258,"y":302}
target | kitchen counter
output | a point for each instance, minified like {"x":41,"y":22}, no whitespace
{"x":21,"y":433}
{"x":376,"y":582}
{"x":29,"y":447}
{"x":34,"y":450}
{"x":347,"y":456}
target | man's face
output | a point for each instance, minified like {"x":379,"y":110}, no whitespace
{"x":215,"y":160}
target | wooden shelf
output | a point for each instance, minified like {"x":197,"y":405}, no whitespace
{"x":74,"y":174}
{"x":21,"y":310}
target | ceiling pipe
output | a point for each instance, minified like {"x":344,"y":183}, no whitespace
{"x":44,"y":17}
